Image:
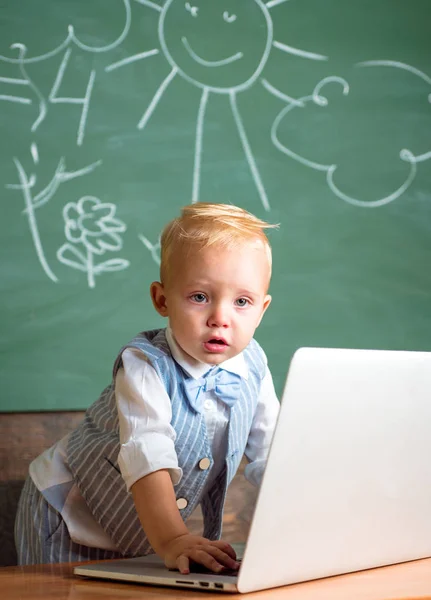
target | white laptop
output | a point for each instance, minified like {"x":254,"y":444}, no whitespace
{"x":348,"y":480}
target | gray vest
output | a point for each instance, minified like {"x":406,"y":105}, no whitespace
{"x":94,"y":447}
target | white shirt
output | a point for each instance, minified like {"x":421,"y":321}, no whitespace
{"x":147,"y":437}
{"x":144,"y":409}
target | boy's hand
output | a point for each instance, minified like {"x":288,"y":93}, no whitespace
{"x":215,"y":556}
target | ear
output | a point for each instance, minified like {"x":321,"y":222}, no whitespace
{"x":159,"y":298}
{"x":266,"y":303}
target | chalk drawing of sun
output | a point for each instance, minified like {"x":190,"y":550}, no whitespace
{"x":228,"y":59}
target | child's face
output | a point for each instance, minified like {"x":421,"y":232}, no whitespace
{"x":215,"y":299}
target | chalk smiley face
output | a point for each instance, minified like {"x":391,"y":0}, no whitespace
{"x":234,"y":50}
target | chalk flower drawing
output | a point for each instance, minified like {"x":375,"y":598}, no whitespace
{"x":34,"y":201}
{"x":91,"y":230}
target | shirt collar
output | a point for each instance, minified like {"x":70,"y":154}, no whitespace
{"x":197,"y":369}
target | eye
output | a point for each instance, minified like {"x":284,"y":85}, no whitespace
{"x":242,"y":302}
{"x":198,"y":298}
{"x":229,"y":18}
{"x":193,"y":10}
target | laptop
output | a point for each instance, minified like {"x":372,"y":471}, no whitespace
{"x":347,"y":484}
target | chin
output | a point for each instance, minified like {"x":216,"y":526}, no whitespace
{"x":216,"y":359}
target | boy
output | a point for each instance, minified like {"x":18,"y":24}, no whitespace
{"x":184,"y":405}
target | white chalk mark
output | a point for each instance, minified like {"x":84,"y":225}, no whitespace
{"x":41,"y":57}
{"x":198,"y":145}
{"x":322,"y":100}
{"x":210,"y":63}
{"x":85,"y":101}
{"x":394,"y":63}
{"x":421,"y":157}
{"x":283,"y":148}
{"x":60,"y":176}
{"x":266,"y":30}
{"x":193,"y":10}
{"x":373,"y":203}
{"x":113,"y":264}
{"x":31,"y":204}
{"x":15,"y":99}
{"x":150,"y":4}
{"x":67,"y":175}
{"x":32,"y":221}
{"x":48,"y":192}
{"x":275,"y":92}
{"x":35,"y":153}
{"x":42,"y":102}
{"x":248,"y":152}
{"x":13,"y":81}
{"x":156,"y":98}
{"x":319,"y":100}
{"x":97,"y":239}
{"x":244,"y":81}
{"x":59,"y":76}
{"x":31,"y":182}
{"x":81,"y":128}
{"x":272,"y":3}
{"x":229,"y":18}
{"x":79,"y":266}
{"x":114,"y":44}
{"x":153,"y":248}
{"x":130,"y":59}
{"x":71,"y":37}
{"x":298,"y":52}
{"x":90,"y":270}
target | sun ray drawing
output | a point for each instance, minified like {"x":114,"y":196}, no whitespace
{"x":238,"y":42}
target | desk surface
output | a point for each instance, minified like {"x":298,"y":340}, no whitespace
{"x":56,"y":582}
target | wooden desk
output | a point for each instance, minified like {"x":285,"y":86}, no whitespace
{"x":56,"y":582}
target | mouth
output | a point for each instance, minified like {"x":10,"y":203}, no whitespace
{"x":210,"y":63}
{"x":216,"y":345}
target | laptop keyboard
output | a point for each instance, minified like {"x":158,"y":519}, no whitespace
{"x":198,"y":568}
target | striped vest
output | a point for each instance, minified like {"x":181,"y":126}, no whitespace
{"x":94,"y":447}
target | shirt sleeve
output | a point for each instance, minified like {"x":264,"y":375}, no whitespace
{"x":145,"y":413}
{"x":262,"y":430}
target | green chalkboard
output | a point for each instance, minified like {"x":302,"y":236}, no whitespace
{"x":315,"y":114}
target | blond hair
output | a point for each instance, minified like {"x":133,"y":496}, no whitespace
{"x":203,"y":224}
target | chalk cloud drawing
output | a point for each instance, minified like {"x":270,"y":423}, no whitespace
{"x":34,"y":201}
{"x":319,"y":100}
{"x":91,"y":230}
{"x":43,"y":103}
{"x":232,"y":62}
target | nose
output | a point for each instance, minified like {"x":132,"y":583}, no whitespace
{"x":219,"y":316}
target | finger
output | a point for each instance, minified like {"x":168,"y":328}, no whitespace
{"x":183,"y":564}
{"x":225,"y":547}
{"x":221,"y":557}
{"x":202,"y":557}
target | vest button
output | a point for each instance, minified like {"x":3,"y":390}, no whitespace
{"x":181,"y":503}
{"x":204,"y":464}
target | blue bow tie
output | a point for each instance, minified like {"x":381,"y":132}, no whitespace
{"x":226,"y":386}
